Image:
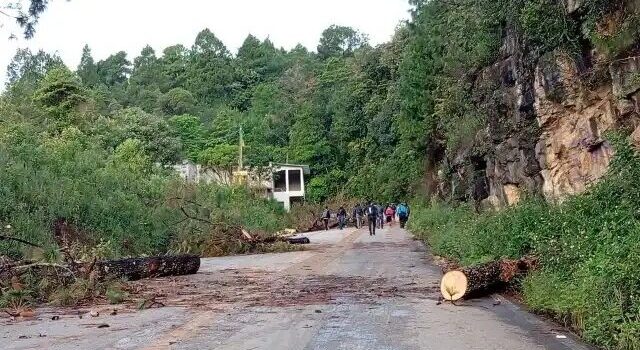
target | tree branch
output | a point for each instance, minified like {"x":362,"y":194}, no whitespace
{"x":7,"y":238}
{"x":195,"y":218}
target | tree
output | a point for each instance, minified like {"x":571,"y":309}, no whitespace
{"x":225,"y":127}
{"x":309,"y":144}
{"x":60,"y":93}
{"x":114,"y":70}
{"x":157,"y":137}
{"x":210,"y":73}
{"x":208,"y":44}
{"x":27,"y":69}
{"x":87,"y":69}
{"x":339,"y":41}
{"x":173,"y":65}
{"x":191,"y":133}
{"x":177,"y":101}
{"x":146,"y":69}
{"x":146,"y":80}
{"x":26,"y":18}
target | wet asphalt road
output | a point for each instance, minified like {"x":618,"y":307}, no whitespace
{"x":347,"y":291}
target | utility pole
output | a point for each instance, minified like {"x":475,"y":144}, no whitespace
{"x":240,"y":160}
{"x":240,"y":176}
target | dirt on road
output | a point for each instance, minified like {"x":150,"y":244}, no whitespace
{"x":349,"y":290}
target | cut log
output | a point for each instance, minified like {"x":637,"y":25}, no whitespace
{"x":138,"y":268}
{"x":481,"y":280}
{"x":299,"y":240}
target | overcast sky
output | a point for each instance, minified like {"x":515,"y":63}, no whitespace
{"x":109,"y":26}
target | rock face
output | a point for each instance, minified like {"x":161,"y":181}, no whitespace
{"x":572,"y":151}
{"x":547,"y":119}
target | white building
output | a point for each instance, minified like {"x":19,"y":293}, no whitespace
{"x":283,"y":182}
{"x":287,"y":183}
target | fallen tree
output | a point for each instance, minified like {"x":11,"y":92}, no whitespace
{"x":259,"y":239}
{"x":478,"y":281}
{"x":134,"y":269}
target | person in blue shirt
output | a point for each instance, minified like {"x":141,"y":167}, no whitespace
{"x":403,"y":212}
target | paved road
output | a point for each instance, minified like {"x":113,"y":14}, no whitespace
{"x":347,"y":291}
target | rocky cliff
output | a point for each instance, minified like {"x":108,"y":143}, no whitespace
{"x":547,"y":118}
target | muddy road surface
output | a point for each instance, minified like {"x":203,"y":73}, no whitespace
{"x":348,"y":290}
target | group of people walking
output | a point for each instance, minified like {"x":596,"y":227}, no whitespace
{"x":376,"y":214}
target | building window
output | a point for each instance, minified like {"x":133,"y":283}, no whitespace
{"x":279,"y":181}
{"x":295,"y":180}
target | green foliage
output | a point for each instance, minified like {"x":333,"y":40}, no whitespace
{"x":156,"y":135}
{"x":223,"y":156}
{"x":116,"y":197}
{"x":25,"y":16}
{"x":60,"y":94}
{"x":87,"y":69}
{"x":545,"y":24}
{"x":191,"y":133}
{"x":588,"y":248}
{"x":612,"y":26}
{"x":340,"y":40}
{"x":113,"y":71}
{"x":177,"y":101}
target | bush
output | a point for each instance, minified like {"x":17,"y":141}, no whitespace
{"x":588,"y":247}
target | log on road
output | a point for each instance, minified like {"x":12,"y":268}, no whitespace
{"x":481,"y":280}
{"x":138,"y":268}
{"x":299,"y":240}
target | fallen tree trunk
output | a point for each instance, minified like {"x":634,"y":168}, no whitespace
{"x":248,"y":237}
{"x":481,"y":280}
{"x":299,"y":240}
{"x":134,"y":269}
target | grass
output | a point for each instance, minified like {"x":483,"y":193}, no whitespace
{"x":589,"y":249}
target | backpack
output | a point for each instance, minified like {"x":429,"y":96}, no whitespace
{"x":402,"y":210}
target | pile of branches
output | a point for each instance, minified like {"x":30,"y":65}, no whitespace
{"x":212,"y":233}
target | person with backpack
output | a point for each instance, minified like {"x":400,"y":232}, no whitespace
{"x":326,"y":215}
{"x":357,"y":215}
{"x":372,"y":216}
{"x":342,"y":218}
{"x":403,"y":214}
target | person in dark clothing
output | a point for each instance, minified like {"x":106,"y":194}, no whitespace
{"x":380,"y":216}
{"x":357,"y":215}
{"x":342,"y":217}
{"x":326,"y":215}
{"x":372,"y":216}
